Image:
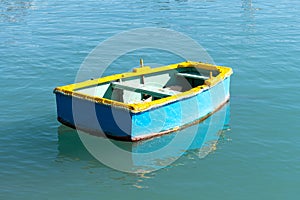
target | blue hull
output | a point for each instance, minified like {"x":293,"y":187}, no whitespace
{"x":122,"y":124}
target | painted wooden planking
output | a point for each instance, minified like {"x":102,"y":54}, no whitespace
{"x":97,"y":90}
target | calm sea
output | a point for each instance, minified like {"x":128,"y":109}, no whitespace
{"x":42,"y":45}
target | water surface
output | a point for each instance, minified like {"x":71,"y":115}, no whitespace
{"x":43,"y":43}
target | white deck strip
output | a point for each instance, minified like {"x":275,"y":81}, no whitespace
{"x":145,"y":89}
{"x":192,"y":76}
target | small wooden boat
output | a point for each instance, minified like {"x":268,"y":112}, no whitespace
{"x":144,"y":103}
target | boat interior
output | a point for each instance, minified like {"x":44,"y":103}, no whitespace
{"x":150,"y":86}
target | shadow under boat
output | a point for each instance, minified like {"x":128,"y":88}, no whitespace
{"x":146,"y":155}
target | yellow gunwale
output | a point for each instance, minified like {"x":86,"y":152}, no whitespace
{"x":143,"y":106}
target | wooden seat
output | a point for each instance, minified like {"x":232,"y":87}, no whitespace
{"x":194,"y":76}
{"x":145,"y":89}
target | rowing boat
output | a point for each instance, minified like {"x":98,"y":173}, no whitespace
{"x":146,"y":102}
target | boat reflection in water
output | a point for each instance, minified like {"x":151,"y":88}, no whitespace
{"x":148,"y":155}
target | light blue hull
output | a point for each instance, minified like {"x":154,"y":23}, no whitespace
{"x":180,"y":113}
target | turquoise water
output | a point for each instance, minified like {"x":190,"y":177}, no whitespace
{"x":43,"y":43}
